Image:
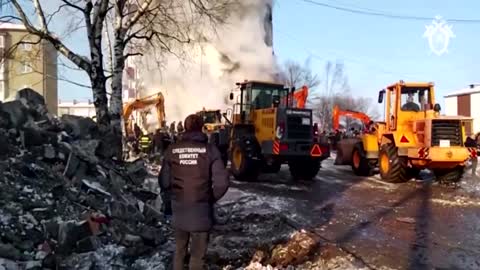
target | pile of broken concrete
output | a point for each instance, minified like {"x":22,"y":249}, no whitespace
{"x":62,"y":193}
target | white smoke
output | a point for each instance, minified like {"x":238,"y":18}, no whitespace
{"x":238,"y":51}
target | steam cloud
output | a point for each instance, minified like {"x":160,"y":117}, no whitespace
{"x":242,"y":49}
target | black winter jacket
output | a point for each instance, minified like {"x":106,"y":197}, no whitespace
{"x":195,"y":177}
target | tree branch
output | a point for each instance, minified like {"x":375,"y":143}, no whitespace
{"x":41,"y":15}
{"x":132,"y":54}
{"x":140,"y":12}
{"x":9,"y":18}
{"x":70,"y":4}
{"x":80,"y":61}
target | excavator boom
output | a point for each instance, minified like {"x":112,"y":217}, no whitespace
{"x":337,"y":113}
{"x":298,"y":99}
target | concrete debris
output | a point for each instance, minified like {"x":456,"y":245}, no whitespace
{"x":59,"y":197}
{"x":66,"y":204}
{"x":32,"y":100}
{"x":79,"y":127}
{"x":14,"y":114}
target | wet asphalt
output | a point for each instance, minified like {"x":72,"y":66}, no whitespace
{"x":420,"y":224}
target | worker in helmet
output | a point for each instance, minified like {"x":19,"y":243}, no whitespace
{"x":145,"y":143}
{"x":410,"y":105}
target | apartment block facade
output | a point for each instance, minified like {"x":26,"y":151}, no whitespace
{"x":27,"y":62}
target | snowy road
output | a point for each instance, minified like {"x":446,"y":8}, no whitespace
{"x":416,"y":225}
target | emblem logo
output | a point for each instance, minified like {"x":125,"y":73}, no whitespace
{"x":438,"y":34}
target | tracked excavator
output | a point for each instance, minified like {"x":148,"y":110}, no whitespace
{"x":156,"y":141}
{"x":266,"y":131}
{"x":412,"y":137}
{"x":156,"y":100}
{"x":345,"y":145}
{"x":337,"y":114}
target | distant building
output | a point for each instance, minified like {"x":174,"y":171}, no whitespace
{"x":130,"y":79}
{"x":465,"y":102}
{"x":85,"y":109}
{"x":24,"y":65}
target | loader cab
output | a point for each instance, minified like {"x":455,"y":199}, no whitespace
{"x":255,"y":95}
{"x":407,"y":102}
{"x":211,"y":116}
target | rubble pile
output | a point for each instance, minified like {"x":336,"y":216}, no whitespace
{"x":61,"y":192}
{"x":66,"y":203}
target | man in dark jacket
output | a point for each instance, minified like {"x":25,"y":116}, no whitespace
{"x":194,"y":174}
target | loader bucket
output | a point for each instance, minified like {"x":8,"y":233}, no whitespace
{"x":345,"y":150}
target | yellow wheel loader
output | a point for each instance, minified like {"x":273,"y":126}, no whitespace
{"x":212,"y":120}
{"x":215,"y":130}
{"x":412,"y":137}
{"x":266,"y":132}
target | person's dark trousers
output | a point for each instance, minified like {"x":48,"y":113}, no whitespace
{"x":166,"y":203}
{"x":198,"y":249}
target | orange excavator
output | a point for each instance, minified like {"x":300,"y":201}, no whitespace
{"x":297,"y":99}
{"x":337,"y":113}
{"x":157,"y":100}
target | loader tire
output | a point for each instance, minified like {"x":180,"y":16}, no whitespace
{"x":449,"y":175}
{"x":393,"y":168}
{"x":243,"y":166}
{"x":305,"y":169}
{"x":361,"y":166}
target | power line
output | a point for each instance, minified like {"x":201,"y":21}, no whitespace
{"x":370,"y":12}
{"x":315,"y":55}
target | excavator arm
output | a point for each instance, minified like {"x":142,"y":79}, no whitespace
{"x":298,"y":99}
{"x":337,"y":113}
{"x":156,"y":100}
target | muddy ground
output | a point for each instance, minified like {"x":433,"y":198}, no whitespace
{"x":358,"y":223}
{"x":417,"y":225}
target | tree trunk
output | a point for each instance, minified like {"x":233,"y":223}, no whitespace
{"x":96,"y":72}
{"x":116,"y":102}
{"x":100,"y":100}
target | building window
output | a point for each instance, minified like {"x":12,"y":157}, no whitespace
{"x":26,"y":46}
{"x":2,"y":42}
{"x":26,"y":67}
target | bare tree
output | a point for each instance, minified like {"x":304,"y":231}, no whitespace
{"x":334,"y":83}
{"x":296,"y":75}
{"x":135,"y":24}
